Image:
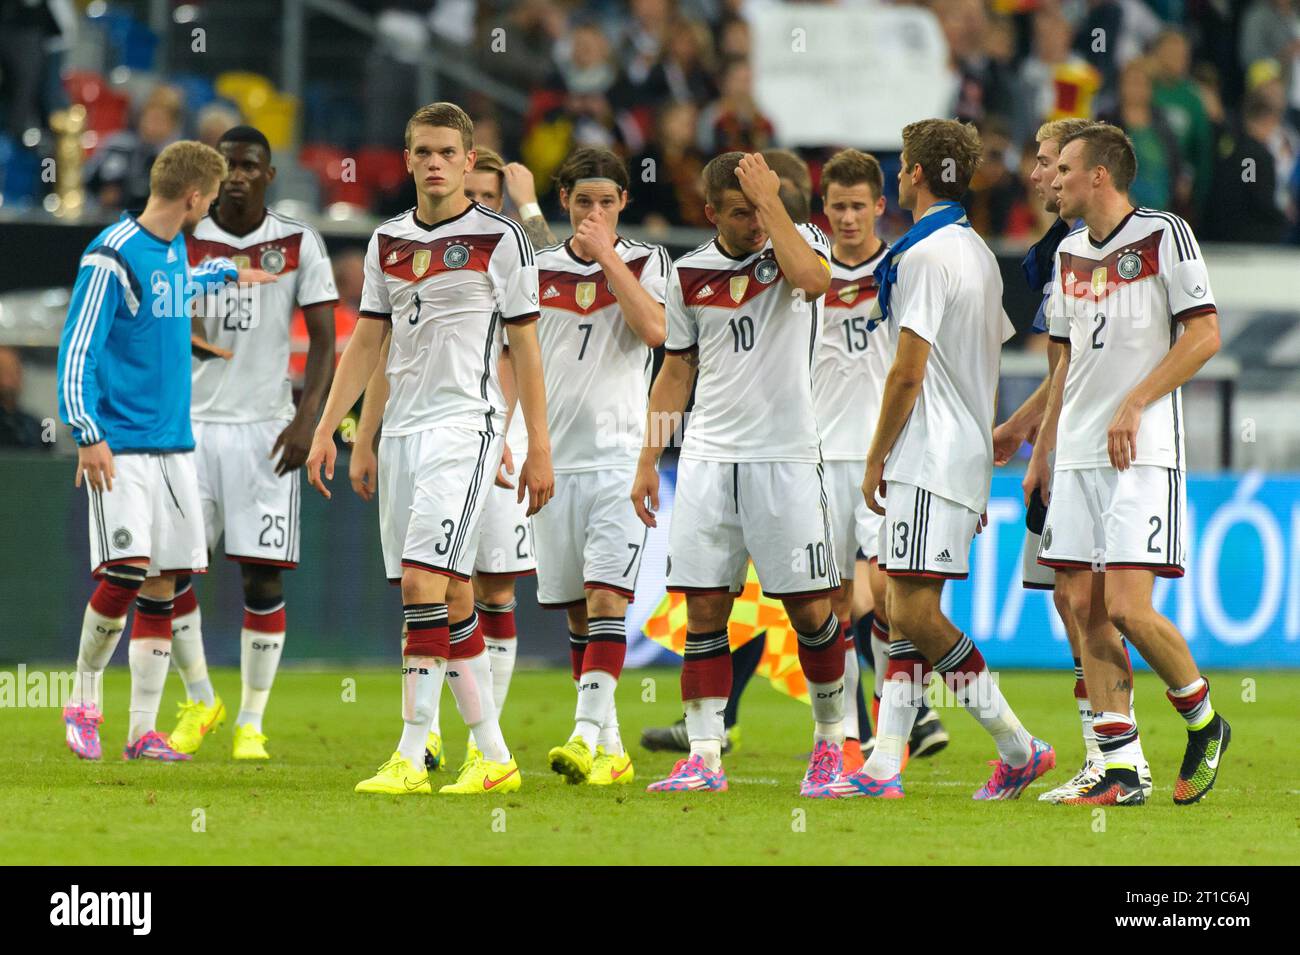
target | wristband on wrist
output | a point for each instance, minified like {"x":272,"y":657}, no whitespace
{"x":530,"y":210}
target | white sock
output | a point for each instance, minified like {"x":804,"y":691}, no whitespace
{"x":595,"y":694}
{"x":472,"y":687}
{"x":704,"y":728}
{"x":502,"y":653}
{"x":189,"y":658}
{"x":852,"y":674}
{"x":899,"y":700}
{"x":421,"y":683}
{"x":435,"y":725}
{"x":879,"y":661}
{"x":828,"y":705}
{"x":150,"y":657}
{"x":984,"y":701}
{"x":99,"y":638}
{"x":609,"y":735}
{"x":1092,"y":752}
{"x":259,"y":658}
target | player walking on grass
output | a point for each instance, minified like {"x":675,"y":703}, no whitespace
{"x":602,"y":312}
{"x":742,"y":308}
{"x":1024,"y":425}
{"x":124,"y":387}
{"x":443,"y":278}
{"x":1135,"y":317}
{"x":931,"y":458}
{"x":249,"y":440}
{"x":505,"y":548}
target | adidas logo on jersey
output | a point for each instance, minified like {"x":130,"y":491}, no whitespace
{"x":392,"y":258}
{"x":944,"y":557}
{"x":704,"y":292}
{"x":551,"y":292}
{"x":171,"y":255}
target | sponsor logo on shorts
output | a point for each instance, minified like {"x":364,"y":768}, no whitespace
{"x":944,"y":557}
{"x":1047,"y":537}
{"x":122,"y":538}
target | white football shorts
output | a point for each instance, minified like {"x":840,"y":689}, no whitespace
{"x":775,"y":512}
{"x":152,"y":513}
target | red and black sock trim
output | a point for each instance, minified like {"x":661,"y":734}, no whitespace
{"x":466,"y":638}
{"x":577,"y":649}
{"x":427,"y":634}
{"x":498,"y":619}
{"x":606,"y":645}
{"x":153,"y":618}
{"x":706,"y":667}
{"x":116,"y":589}
{"x":907,"y":663}
{"x":821,"y":653}
{"x":961,"y":664}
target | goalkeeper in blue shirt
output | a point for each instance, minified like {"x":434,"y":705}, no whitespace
{"x":124,"y":387}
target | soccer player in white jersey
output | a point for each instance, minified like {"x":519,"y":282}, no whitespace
{"x":1133,"y":311}
{"x":745,"y":308}
{"x":124,"y":387}
{"x":1023,"y":425}
{"x":931,"y":458}
{"x":249,"y":440}
{"x":602,"y":313}
{"x":505,"y":548}
{"x":444,"y":279}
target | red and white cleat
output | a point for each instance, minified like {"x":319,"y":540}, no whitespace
{"x":82,"y":729}
{"x":688,"y":775}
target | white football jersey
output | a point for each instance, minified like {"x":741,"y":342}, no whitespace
{"x":1119,"y":304}
{"x":448,"y":289}
{"x":853,"y":358}
{"x":949,"y":292}
{"x":597,"y":369}
{"x":757,"y":336}
{"x":253,"y":321}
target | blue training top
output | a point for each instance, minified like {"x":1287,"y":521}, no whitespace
{"x":124,"y":357}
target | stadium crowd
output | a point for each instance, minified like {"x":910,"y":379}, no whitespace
{"x":1206,"y":89}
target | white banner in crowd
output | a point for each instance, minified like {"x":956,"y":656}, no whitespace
{"x":848,"y":76}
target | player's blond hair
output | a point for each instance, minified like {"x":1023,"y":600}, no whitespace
{"x":446,"y":115}
{"x":851,"y":167}
{"x":489,"y":160}
{"x":948,"y":153}
{"x":186,"y":165}
{"x":1062,"y":129}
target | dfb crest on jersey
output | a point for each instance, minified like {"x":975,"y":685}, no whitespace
{"x":1130,"y":264}
{"x":585,"y":294}
{"x":848,"y":293}
{"x":121,"y":538}
{"x":420,"y":262}
{"x":242,"y":261}
{"x":272,"y":260}
{"x":738,"y":285}
{"x":1047,"y":537}
{"x":766,"y":271}
{"x":1099,"y":281}
{"x":455,"y":257}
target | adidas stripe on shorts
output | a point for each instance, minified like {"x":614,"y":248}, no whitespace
{"x":925,"y":535}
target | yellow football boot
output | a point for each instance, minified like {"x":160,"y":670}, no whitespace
{"x":472,"y":755}
{"x":433,"y":753}
{"x":484,"y":777}
{"x":249,"y":743}
{"x":397,"y":777}
{"x":194,"y":721}
{"x":573,"y":760}
{"x":610,"y":770}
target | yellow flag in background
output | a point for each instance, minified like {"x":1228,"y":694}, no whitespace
{"x":753,"y":615}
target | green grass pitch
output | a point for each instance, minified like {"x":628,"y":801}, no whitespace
{"x":300,"y":808}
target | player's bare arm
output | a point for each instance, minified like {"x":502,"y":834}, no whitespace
{"x":536,"y":476}
{"x":355,"y":368}
{"x":363,"y":467}
{"x":668,"y":397}
{"x":1038,"y":476}
{"x":902,"y":387}
{"x":506,"y":378}
{"x":1022,"y":425}
{"x":1195,"y":346}
{"x":522,"y":191}
{"x":643,"y":314}
{"x":294,"y":442}
{"x":802,"y":266}
{"x":95,"y":461}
